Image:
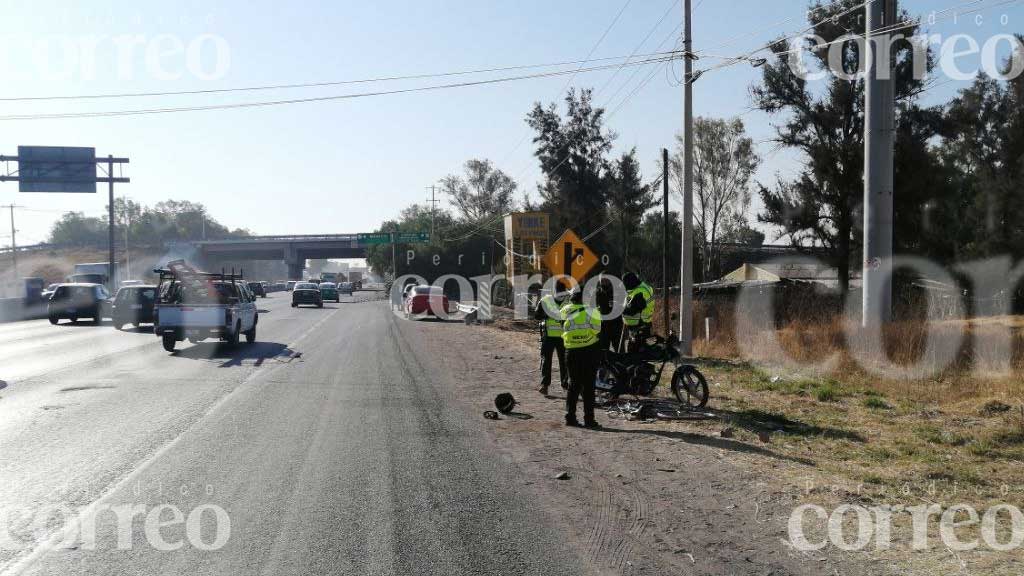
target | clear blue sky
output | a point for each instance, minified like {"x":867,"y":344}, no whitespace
{"x":345,"y":166}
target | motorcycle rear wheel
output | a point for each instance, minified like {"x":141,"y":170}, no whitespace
{"x":690,"y":387}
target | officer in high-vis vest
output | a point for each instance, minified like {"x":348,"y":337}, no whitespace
{"x":639,"y":310}
{"x":549,"y":312}
{"x":581,"y":335}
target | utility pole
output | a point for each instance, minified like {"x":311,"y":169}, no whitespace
{"x":127,"y":252}
{"x":879,"y":124}
{"x":433,"y":205}
{"x":664,"y":242}
{"x":14,"y":242}
{"x":112,"y":266}
{"x":686,"y":290}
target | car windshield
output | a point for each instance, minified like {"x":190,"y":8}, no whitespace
{"x":327,"y":286}
{"x":306,"y":286}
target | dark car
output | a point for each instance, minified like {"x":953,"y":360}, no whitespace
{"x":258,"y":289}
{"x":307,"y":293}
{"x":134,"y":305}
{"x":74,"y":301}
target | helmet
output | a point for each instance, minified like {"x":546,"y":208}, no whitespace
{"x":630,"y":280}
{"x":576,"y":295}
{"x":504,"y":402}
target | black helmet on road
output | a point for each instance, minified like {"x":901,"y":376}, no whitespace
{"x":504,"y":402}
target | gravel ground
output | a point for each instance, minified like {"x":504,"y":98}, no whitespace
{"x":641,"y":498}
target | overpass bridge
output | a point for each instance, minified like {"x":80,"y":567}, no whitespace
{"x":293,"y":249}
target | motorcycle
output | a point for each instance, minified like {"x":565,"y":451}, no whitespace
{"x":638,"y":374}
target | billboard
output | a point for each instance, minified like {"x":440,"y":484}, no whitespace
{"x":527,"y":226}
{"x":56,"y":169}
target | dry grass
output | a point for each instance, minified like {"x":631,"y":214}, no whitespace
{"x":959,"y":425}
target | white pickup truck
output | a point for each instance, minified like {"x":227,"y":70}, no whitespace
{"x":196,"y":306}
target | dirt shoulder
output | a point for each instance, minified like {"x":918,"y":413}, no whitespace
{"x":644,"y":498}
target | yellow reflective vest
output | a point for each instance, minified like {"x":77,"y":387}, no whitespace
{"x":554,"y":319}
{"x":582,"y":326}
{"x":647,"y":314}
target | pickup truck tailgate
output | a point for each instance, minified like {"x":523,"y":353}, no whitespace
{"x":191,"y":316}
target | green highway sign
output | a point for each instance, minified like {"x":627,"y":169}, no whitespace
{"x":374,"y":238}
{"x":413,"y":237}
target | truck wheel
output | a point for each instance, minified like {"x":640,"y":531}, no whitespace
{"x":54,"y":320}
{"x":169,"y":341}
{"x":320,"y":304}
{"x":250,"y":336}
{"x":294,"y":305}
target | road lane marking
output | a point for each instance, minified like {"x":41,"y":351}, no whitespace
{"x":17,"y":566}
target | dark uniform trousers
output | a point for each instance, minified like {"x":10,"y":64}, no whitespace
{"x":583,"y":364}
{"x":548,"y":347}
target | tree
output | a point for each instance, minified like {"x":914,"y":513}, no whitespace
{"x":483,"y":193}
{"x":985,"y":145}
{"x":724,"y":161}
{"x":628,"y":199}
{"x":820,"y":205}
{"x":572,"y":154}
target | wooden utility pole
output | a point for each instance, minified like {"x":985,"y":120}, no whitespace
{"x":433,"y":206}
{"x":112,"y":266}
{"x":686,"y":290}
{"x":14,"y":242}
{"x":664,"y":242}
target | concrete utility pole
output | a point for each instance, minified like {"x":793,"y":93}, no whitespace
{"x":879,"y":126}
{"x":686,"y":291}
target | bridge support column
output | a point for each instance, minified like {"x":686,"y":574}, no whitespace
{"x":295,"y":264}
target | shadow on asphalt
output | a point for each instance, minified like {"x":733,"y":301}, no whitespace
{"x":258,"y":352}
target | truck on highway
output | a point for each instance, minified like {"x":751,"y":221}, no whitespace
{"x":356,"y":278}
{"x":197,"y":306}
{"x":91,"y":273}
{"x":331,"y":277}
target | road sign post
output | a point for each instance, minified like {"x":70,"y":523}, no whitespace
{"x":64,"y":169}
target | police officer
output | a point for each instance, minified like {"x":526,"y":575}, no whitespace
{"x":639,"y":311}
{"x":611,"y":325}
{"x":550,"y":314}
{"x":581,"y":335}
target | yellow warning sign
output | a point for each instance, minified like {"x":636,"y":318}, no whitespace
{"x":570,"y":256}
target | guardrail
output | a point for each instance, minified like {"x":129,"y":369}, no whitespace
{"x":286,"y":238}
{"x":15,"y":309}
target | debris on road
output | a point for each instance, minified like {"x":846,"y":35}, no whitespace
{"x":491,"y":415}
{"x":728,"y":432}
{"x":563,"y":476}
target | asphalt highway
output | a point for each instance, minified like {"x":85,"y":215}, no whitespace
{"x":333,"y":445}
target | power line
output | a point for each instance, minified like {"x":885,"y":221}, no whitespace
{"x":421,"y":76}
{"x":671,"y":5}
{"x":113,"y":113}
{"x":583,"y":62}
{"x":947,"y":13}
